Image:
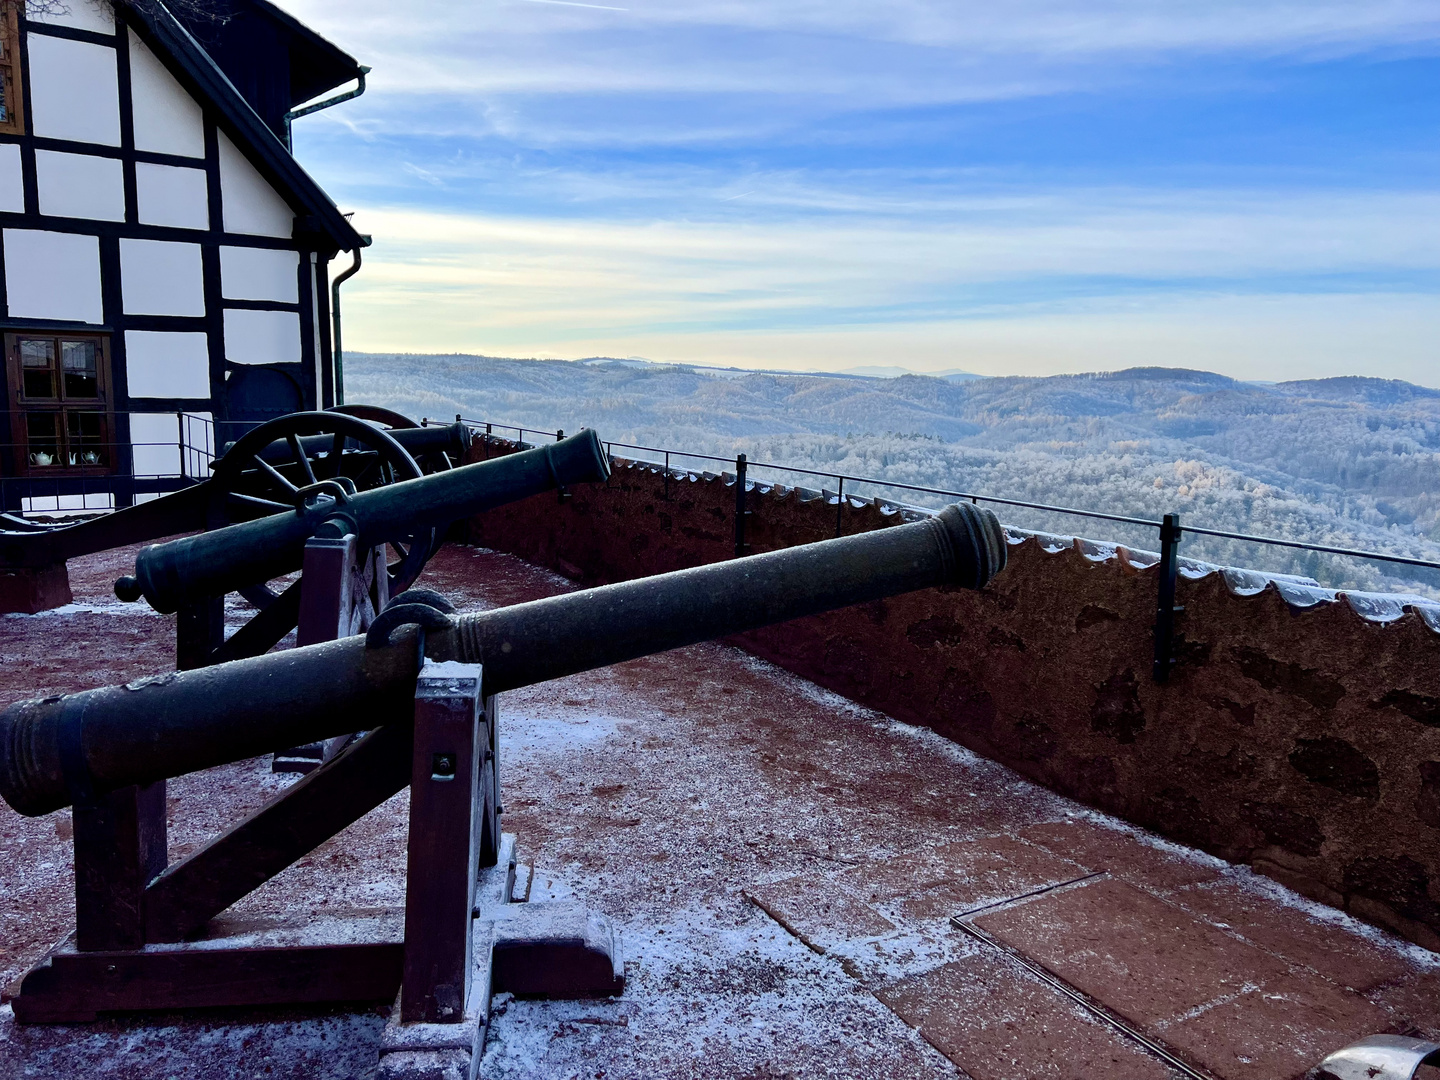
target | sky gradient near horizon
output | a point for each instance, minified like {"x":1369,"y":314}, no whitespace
{"x":1031,"y":188}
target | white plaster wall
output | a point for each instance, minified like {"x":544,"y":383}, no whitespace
{"x":94,"y":15}
{"x":12,"y":179}
{"x":53,"y":276}
{"x":259,"y":274}
{"x":249,"y":204}
{"x":155,"y":439}
{"x":169,"y":195}
{"x":262,"y":337}
{"x":74,"y":92}
{"x":163,"y":364}
{"x":158,"y":277}
{"x":167,"y":119}
{"x":80,"y":186}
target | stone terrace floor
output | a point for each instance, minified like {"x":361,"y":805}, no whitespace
{"x":806,"y":889}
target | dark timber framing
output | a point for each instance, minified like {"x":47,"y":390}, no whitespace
{"x":320,"y":232}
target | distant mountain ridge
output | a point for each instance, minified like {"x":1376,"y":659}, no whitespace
{"x":1352,"y":461}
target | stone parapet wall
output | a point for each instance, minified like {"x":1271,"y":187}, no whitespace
{"x":1303,"y":741}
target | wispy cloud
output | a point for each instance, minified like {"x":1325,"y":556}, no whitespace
{"x":772,"y":182}
{"x":523,"y":287}
{"x":922,"y":50}
{"x":576,"y":3}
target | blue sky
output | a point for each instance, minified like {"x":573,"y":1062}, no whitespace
{"x":1027,"y":188}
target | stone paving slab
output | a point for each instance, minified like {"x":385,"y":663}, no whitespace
{"x":1413,"y":1003}
{"x":1223,"y":1003}
{"x":819,"y":910}
{"x":1143,"y":957}
{"x":1155,"y":866}
{"x":1328,"y":948}
{"x":1276,"y":1031}
{"x":941,"y":881}
{"x":999,"y":1022}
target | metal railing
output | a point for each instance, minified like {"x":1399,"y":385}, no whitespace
{"x":1169,"y":530}
{"x":88,"y":476}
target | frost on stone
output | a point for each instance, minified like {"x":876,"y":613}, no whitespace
{"x":1388,"y":607}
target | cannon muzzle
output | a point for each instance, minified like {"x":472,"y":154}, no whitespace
{"x":59,"y":750}
{"x":182,"y":571}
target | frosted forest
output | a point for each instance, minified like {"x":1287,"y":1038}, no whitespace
{"x":1347,"y":462}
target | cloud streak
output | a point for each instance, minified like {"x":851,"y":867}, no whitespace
{"x":1153,"y":277}
{"x":776,"y":183}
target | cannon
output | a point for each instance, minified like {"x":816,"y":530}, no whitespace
{"x":173,"y":724}
{"x":423,"y":683}
{"x":338,"y":537}
{"x":362,"y":443}
{"x":186,"y":570}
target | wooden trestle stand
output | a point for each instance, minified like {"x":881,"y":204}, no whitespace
{"x":153,"y":937}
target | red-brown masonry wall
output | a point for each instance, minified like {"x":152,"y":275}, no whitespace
{"x":1305,"y":742}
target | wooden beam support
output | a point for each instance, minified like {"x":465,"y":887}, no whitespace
{"x":295,"y":822}
{"x":444,"y":843}
{"x":264,"y":631}
{"x":120,"y":845}
{"x":73,"y":987}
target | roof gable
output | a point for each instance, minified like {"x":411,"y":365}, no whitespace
{"x":202,"y":76}
{"x":273,"y":59}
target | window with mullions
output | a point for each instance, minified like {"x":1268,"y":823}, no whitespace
{"x":60,"y":408}
{"x":12,"y":116}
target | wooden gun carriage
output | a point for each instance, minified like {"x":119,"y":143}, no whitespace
{"x":423,"y":683}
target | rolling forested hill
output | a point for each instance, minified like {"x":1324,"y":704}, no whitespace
{"x":1349,"y":461}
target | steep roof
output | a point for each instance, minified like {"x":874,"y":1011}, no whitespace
{"x":170,"y":39}
{"x":273,"y":59}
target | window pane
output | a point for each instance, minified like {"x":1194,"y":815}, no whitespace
{"x":86,"y":431}
{"x":4,"y":91}
{"x":44,"y":438}
{"x":37,"y":364}
{"x":77,"y":358}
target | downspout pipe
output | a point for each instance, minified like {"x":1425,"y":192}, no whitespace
{"x":290,"y":117}
{"x":295,"y":114}
{"x":335,"y":349}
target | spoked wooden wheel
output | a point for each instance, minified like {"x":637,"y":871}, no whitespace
{"x":293,"y":460}
{"x":375,"y":414}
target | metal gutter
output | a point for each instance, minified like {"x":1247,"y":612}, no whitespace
{"x":335,"y":351}
{"x":295,"y":114}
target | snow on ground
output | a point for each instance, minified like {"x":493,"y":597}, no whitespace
{"x":730,"y":818}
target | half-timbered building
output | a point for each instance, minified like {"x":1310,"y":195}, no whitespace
{"x":165,"y":280}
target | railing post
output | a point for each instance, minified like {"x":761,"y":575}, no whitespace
{"x":839,"y":504}
{"x":561,"y":495}
{"x":1166,"y":610}
{"x":667,"y":475}
{"x":179,"y":443}
{"x":740,"y":512}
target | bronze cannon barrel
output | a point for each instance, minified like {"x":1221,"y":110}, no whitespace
{"x":453,"y":439}
{"x":54,"y":750}
{"x":181,"y":571}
